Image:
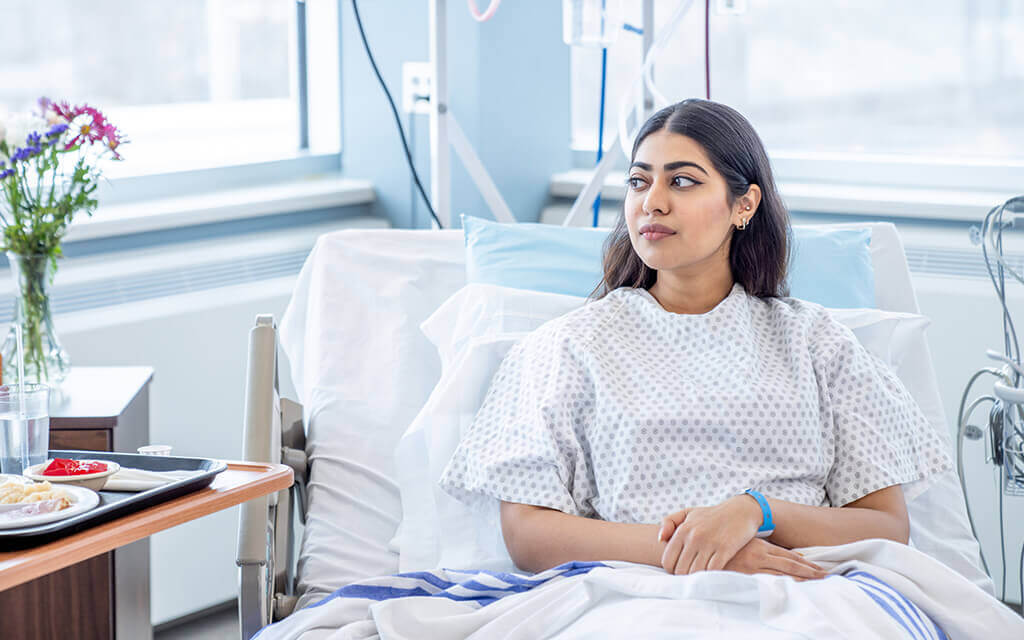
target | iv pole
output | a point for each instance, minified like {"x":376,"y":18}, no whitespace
{"x":445,"y":131}
{"x":593,"y":187}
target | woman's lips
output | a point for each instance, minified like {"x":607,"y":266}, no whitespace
{"x":652,"y":232}
{"x":654,"y":236}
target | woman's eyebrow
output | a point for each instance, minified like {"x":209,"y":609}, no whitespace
{"x":671,"y":166}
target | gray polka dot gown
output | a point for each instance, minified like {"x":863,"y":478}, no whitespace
{"x":624,"y":411}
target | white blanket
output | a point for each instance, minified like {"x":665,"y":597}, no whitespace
{"x":876,"y":589}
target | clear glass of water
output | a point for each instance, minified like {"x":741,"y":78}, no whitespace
{"x":24,"y":426}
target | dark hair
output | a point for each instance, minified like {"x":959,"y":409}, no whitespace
{"x":758,"y":255}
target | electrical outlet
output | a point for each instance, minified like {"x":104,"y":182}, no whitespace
{"x":730,"y":7}
{"x":416,"y":87}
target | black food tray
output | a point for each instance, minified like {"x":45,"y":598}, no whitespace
{"x":114,"y":504}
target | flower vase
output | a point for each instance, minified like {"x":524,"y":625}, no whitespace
{"x":46,"y":361}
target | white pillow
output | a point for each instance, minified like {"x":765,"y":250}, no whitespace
{"x":362,"y":370}
{"x":470,"y":332}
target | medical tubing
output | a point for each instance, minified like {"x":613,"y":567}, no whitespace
{"x":1012,"y":349}
{"x":600,"y":125}
{"x":398,"y":119}
{"x":1002,"y":536}
{"x":625,"y":138}
{"x":1000,"y":287}
{"x":487,"y":14}
{"x":961,"y":428}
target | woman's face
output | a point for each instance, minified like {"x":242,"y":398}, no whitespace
{"x":673,"y":185}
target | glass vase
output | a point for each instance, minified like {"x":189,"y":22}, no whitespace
{"x":46,"y":361}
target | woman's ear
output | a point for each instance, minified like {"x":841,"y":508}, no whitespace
{"x":746,"y":206}
{"x":751,"y":199}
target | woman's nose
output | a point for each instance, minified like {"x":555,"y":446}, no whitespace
{"x":656,"y":200}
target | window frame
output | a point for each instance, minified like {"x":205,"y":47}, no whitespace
{"x":318,"y":97}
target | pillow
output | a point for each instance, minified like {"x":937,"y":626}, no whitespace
{"x":829,"y":266}
{"x":362,"y":370}
{"x":471,"y":331}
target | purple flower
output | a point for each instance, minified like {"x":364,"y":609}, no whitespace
{"x":33,"y":139}
{"x":4,"y":174}
{"x":56,"y":130}
{"x":24,"y":153}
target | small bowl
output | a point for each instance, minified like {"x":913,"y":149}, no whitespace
{"x":94,"y":481}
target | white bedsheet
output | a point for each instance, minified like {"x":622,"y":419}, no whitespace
{"x":860,"y":599}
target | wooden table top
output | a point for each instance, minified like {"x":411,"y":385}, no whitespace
{"x":242,"y":481}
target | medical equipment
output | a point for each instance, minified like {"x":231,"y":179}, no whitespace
{"x":1004,"y":427}
{"x":591,"y":23}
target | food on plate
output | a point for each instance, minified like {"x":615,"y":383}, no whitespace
{"x":15,"y":492}
{"x":66,"y":467}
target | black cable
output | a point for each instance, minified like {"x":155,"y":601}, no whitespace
{"x":412,"y":184}
{"x":394,"y":111}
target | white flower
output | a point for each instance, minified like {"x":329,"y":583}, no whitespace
{"x":19,"y":126}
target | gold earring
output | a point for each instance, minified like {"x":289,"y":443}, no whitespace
{"x":744,"y":225}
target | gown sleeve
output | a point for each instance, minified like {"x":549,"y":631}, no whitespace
{"x":527,"y":442}
{"x":880,"y":435}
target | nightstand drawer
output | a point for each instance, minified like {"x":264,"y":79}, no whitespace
{"x":81,"y":439}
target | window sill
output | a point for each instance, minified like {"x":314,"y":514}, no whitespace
{"x":841,"y":199}
{"x":220,"y":206}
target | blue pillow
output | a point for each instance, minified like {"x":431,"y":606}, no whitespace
{"x":829,"y":266}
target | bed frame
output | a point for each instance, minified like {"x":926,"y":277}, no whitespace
{"x":273,"y":432}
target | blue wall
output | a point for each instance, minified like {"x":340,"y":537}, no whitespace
{"x":508,"y":88}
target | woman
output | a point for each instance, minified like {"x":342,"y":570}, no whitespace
{"x":632,"y":428}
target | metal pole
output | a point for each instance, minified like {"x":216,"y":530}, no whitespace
{"x":303,"y":83}
{"x":440,"y":154}
{"x":648,"y":41}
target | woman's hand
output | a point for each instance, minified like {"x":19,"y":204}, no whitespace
{"x":761,"y":556}
{"x":707,"y":538}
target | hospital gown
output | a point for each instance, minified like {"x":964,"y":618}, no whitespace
{"x":627,"y":412}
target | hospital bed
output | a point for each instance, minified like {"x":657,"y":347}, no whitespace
{"x":363,"y":369}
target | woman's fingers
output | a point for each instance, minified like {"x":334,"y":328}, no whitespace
{"x":670,"y":556}
{"x":686,"y":558}
{"x":700,"y":562}
{"x":669,"y":524}
{"x":795,"y":557}
{"x":796,"y":569}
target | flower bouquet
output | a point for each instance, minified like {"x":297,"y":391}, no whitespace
{"x":48,"y":172}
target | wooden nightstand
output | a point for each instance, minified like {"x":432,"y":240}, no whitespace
{"x":102,"y":409}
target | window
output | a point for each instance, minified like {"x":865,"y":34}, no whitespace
{"x":869,"y":92}
{"x":191,"y":83}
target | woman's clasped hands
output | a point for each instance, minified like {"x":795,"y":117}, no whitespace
{"x":723,"y":538}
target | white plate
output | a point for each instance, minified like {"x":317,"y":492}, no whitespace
{"x":82,"y":500}
{"x":4,"y":477}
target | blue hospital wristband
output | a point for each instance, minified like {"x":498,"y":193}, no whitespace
{"x":767,"y":524}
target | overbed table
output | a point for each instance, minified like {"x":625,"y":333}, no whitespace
{"x":242,"y":481}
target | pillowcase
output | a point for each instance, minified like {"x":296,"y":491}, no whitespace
{"x":472,"y":333}
{"x":362,"y":370}
{"x":831,"y":267}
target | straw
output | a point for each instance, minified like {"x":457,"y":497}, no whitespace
{"x":21,"y":371}
{"x":21,"y":397}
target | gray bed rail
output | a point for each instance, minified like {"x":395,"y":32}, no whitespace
{"x":273,"y":432}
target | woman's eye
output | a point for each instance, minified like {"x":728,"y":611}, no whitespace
{"x":683,"y":181}
{"x":635,"y":183}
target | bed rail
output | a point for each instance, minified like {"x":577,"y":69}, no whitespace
{"x":272,"y":432}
